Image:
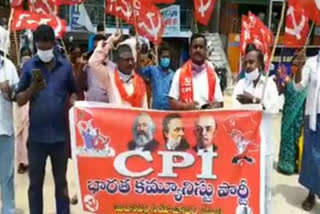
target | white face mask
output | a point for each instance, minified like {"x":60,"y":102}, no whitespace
{"x":253,"y":75}
{"x":46,"y":56}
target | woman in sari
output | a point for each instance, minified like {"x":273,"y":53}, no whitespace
{"x":292,"y":122}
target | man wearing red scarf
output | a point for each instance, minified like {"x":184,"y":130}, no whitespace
{"x":124,"y":86}
{"x":196,"y":84}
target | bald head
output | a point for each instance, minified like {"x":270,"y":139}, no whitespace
{"x":205,"y":130}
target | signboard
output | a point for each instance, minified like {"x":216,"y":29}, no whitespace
{"x":171,"y":19}
{"x":134,"y":161}
{"x":74,"y":17}
{"x":283,"y":56}
{"x":79,"y":18}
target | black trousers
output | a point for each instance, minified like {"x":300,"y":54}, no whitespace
{"x":38,"y":154}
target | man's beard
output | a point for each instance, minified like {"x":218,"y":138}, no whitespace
{"x":142,"y":138}
{"x":173,"y":144}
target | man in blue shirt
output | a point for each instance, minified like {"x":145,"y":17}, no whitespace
{"x":160,"y":78}
{"x":46,"y":82}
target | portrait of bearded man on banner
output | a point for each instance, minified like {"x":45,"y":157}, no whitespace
{"x":173,"y":133}
{"x":241,"y":132}
{"x":143,"y":132}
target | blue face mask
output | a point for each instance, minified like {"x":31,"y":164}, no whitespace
{"x":165,"y":62}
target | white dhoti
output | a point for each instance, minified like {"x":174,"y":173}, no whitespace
{"x":268,"y":136}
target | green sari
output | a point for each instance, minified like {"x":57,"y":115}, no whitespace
{"x":292,"y":123}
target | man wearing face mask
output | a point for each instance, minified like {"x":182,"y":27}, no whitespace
{"x":196,"y":85}
{"x":160,"y":78}
{"x":46,"y":82}
{"x":248,"y":92}
{"x":249,"y":89}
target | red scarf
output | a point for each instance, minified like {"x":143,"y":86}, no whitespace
{"x":186,"y":85}
{"x":136,"y":98}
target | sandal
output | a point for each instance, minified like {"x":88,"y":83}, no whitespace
{"x":22,"y":168}
{"x":74,"y":200}
{"x":309,"y":203}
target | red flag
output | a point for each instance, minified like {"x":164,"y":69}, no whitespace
{"x":142,"y":13}
{"x":63,"y":2}
{"x":203,"y":10}
{"x":70,"y":2}
{"x":43,"y":6}
{"x":29,"y":20}
{"x":162,"y":1}
{"x":254,"y":31}
{"x":245,"y":36}
{"x":312,"y":9}
{"x":149,"y":23}
{"x":16,"y":3}
{"x":297,"y":26}
{"x":121,"y":9}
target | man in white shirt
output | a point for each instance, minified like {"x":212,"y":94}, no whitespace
{"x":8,"y":78}
{"x":196,"y":85}
{"x":248,"y":93}
{"x":249,"y":89}
{"x":205,"y":131}
{"x":308,"y":78}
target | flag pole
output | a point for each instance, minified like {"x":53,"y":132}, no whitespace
{"x":156,"y":47}
{"x":15,"y":36}
{"x":117,"y":24}
{"x":117,"y":19}
{"x":309,"y":35}
{"x":10,"y":20}
{"x":134,"y":20}
{"x":274,"y":48}
{"x":64,"y":47}
{"x":121,"y":27}
{"x":17,"y":47}
{"x":9,"y":25}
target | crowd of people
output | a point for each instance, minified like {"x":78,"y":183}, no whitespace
{"x":126,"y":74}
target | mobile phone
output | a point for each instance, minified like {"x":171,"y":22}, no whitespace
{"x":37,"y":74}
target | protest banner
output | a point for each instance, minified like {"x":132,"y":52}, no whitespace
{"x":171,"y":20}
{"x":142,"y":161}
